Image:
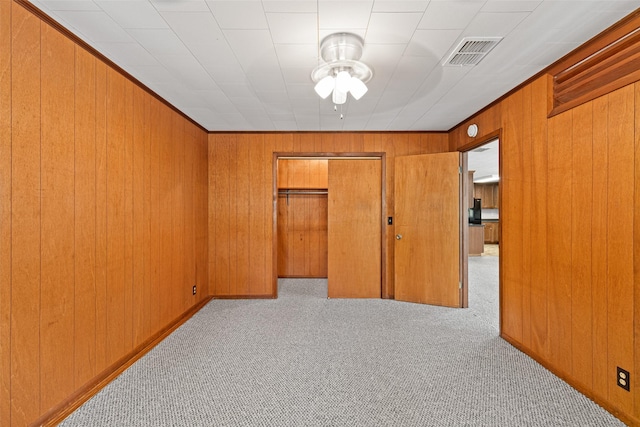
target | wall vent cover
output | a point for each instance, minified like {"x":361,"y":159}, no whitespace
{"x":470,"y":51}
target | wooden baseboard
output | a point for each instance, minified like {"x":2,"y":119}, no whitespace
{"x":625,"y":418}
{"x":74,"y":401}
{"x":267,"y":296}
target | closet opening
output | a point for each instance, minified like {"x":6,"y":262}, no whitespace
{"x":328,"y":211}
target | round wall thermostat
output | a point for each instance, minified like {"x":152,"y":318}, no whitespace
{"x":472,"y":130}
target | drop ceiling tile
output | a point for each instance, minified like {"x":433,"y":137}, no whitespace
{"x":510,"y":5}
{"x":343,"y":15}
{"x":253,"y":49}
{"x":293,"y":28}
{"x":302,"y":92}
{"x":133,"y":14}
{"x":449,"y":15}
{"x":95,"y":26}
{"x":297,"y":55}
{"x":194,"y":27}
{"x":159,"y":41}
{"x":400,"y":6}
{"x":240,"y":15}
{"x":227,"y":74}
{"x":392,"y":28}
{"x":494,"y":24}
{"x":297,"y":6}
{"x":189,"y":72}
{"x":180,"y":5}
{"x":78,"y":5}
{"x":127,"y":54}
{"x":297,"y":76}
{"x":151,"y":73}
{"x":233,"y":91}
{"x":436,"y":43}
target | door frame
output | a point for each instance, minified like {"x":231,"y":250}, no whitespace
{"x":323,"y":155}
{"x":464,"y":149}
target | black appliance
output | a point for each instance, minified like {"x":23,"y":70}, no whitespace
{"x":475,"y":212}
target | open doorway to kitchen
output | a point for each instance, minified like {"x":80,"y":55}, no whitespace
{"x":484,"y":232}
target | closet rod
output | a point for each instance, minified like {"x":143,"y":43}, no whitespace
{"x":289,"y":192}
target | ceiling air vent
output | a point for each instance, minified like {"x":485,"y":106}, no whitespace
{"x":471,"y":50}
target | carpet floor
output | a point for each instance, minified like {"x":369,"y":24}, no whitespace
{"x":306,"y":360}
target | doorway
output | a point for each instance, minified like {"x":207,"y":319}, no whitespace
{"x":483,"y":164}
{"x":337,"y":231}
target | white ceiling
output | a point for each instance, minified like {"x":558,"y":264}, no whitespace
{"x":484,"y":160}
{"x":245,"y":65}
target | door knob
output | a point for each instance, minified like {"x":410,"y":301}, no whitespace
{"x":398,"y":236}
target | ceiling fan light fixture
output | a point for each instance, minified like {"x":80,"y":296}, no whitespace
{"x":324,"y":87}
{"x":339,"y":97}
{"x":342,"y":72}
{"x":343,"y":81}
{"x":357,"y":88}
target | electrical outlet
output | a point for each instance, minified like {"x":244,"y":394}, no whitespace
{"x":623,"y":379}
{"x":194,"y":289}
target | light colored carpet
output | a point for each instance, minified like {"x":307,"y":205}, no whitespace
{"x":304,"y":360}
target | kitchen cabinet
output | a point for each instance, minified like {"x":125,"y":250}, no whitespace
{"x":488,"y":193}
{"x":491,"y":232}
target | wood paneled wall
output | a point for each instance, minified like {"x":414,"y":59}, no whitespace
{"x":570,"y":274}
{"x":241,"y":198}
{"x":103,"y":206}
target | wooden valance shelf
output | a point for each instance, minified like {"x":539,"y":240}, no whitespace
{"x":614,"y":64}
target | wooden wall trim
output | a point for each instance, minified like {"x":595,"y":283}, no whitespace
{"x":81,"y":43}
{"x":615,"y":65}
{"x":74,"y":401}
{"x":631,"y":421}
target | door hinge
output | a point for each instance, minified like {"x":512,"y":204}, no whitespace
{"x":460,"y":170}
{"x":459,"y":285}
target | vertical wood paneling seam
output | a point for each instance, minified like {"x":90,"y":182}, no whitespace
{"x":40,"y":225}
{"x":95,"y":216}
{"x":75,"y":214}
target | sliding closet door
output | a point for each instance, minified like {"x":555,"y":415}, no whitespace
{"x":354,"y":228}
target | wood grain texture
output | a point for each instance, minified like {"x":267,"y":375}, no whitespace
{"x":25,"y":217}
{"x":243,"y":215}
{"x":559,"y":198}
{"x":636,"y":253}
{"x":5,"y":212}
{"x":115,"y":216}
{"x":427,"y":216}
{"x":85,"y":217}
{"x":128,"y":216}
{"x":581,"y":190}
{"x":57,"y":229}
{"x":599,"y":253}
{"x":620,"y":240}
{"x":353,"y":224}
{"x":302,"y":236}
{"x":526,"y":141}
{"x":101,"y":216}
{"x":511,"y":217}
{"x":259,"y":194}
{"x":139,"y":296}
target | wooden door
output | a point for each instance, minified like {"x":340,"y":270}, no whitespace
{"x":428,"y":224}
{"x":354,"y":225}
